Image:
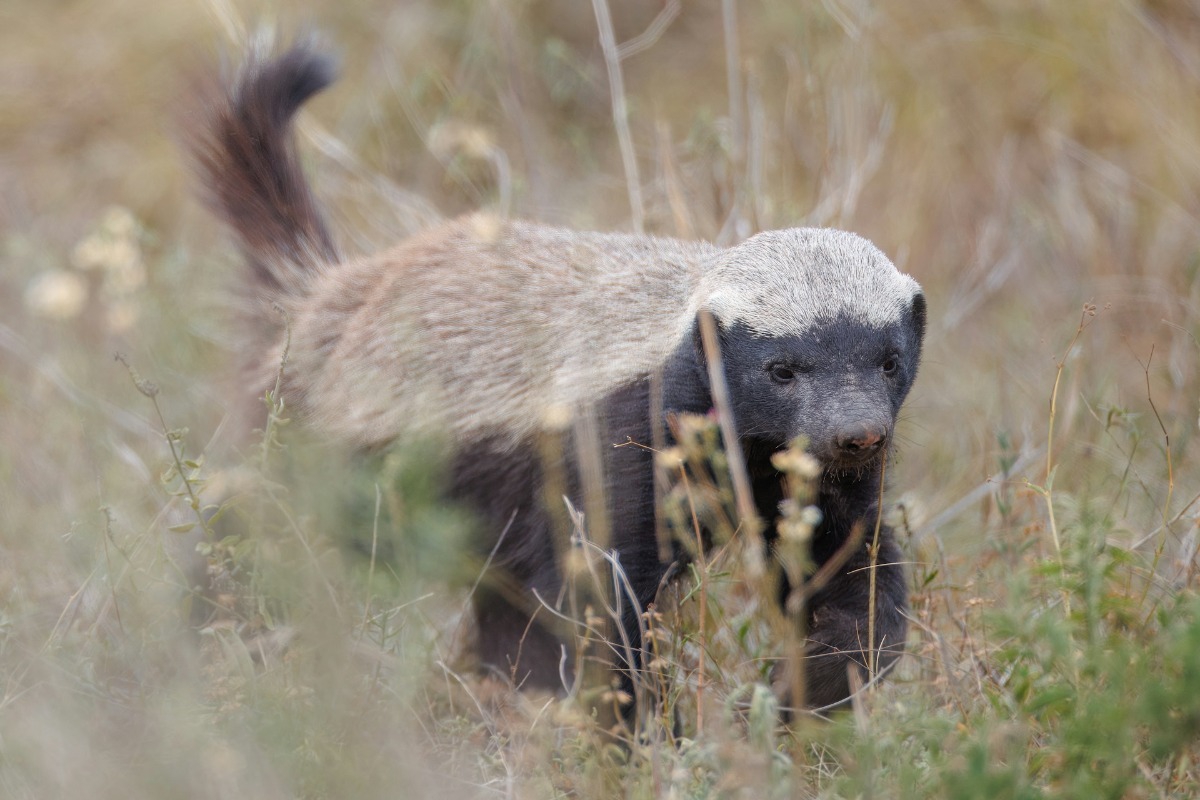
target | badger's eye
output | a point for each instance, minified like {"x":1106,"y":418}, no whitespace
{"x":782,"y":374}
{"x":889,"y":366}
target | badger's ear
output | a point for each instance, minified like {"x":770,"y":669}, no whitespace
{"x":917,"y":310}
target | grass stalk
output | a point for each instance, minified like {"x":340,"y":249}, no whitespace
{"x":1047,"y":489}
{"x":873,"y":555}
{"x":702,"y":625}
{"x":748,"y":518}
{"x":620,"y":112}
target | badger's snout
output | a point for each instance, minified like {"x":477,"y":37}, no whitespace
{"x":850,"y":441}
{"x":860,"y":441}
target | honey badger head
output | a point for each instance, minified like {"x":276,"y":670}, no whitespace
{"x":821,"y":337}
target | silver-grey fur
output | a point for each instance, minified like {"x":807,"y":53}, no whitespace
{"x":781,"y":283}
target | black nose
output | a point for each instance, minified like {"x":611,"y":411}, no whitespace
{"x":861,"y":440}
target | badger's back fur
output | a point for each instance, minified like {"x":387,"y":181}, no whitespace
{"x":478,"y":329}
{"x":479,"y":326}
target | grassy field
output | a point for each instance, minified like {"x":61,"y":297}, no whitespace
{"x":1036,"y":166}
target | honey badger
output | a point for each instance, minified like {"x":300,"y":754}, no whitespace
{"x":476,"y":328}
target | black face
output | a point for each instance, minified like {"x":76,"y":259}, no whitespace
{"x":840,"y":385}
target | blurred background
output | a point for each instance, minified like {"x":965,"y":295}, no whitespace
{"x":1019,"y":159}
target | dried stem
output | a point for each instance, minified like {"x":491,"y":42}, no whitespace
{"x":1047,"y":490}
{"x":371,"y":567}
{"x":873,"y":553}
{"x":274,"y":400}
{"x":646,"y":39}
{"x":620,"y":111}
{"x":733,"y":228}
{"x":743,"y":495}
{"x":150,"y":390}
{"x":702,"y":566}
{"x":1166,"y":510}
{"x":1089,"y":310}
{"x":1166,"y":438}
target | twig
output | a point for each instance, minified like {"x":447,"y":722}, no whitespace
{"x":733,"y":63}
{"x":620,"y":111}
{"x":701,"y":634}
{"x":149,"y":389}
{"x":371,"y":565}
{"x":1158,"y":551}
{"x":590,"y":460}
{"x":646,"y":39}
{"x":658,"y":443}
{"x":1047,"y":490}
{"x":873,"y":553}
{"x":674,"y":185}
{"x":1089,"y":310}
{"x":743,"y":495}
{"x":273,"y":400}
{"x":1166,"y":437}
{"x":112,"y":585}
{"x":755,"y":147}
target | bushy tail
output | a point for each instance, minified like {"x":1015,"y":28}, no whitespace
{"x":244,"y":149}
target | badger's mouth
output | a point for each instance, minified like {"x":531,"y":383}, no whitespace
{"x":854,"y":460}
{"x":832,"y":462}
{"x":841,"y":464}
{"x":849,"y":469}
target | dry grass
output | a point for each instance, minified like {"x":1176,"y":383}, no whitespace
{"x":1021,"y":160}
